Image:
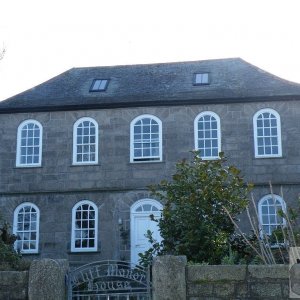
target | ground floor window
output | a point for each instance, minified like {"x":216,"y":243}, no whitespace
{"x":84,"y":227}
{"x":268,"y":208}
{"x":26,"y":227}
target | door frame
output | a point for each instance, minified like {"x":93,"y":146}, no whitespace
{"x":134,"y":214}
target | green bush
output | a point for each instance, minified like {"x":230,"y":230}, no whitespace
{"x":194,"y":222}
{"x":10,"y":259}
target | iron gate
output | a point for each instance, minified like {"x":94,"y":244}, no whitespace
{"x":109,"y":280}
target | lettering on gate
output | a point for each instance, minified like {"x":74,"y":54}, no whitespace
{"x":109,"y":277}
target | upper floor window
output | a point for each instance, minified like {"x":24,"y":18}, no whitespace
{"x":208,"y":135}
{"x":26,"y":227}
{"x":146,"y":139}
{"x":84,"y":227}
{"x":268,"y":209}
{"x":29,"y":144}
{"x":267,"y":133}
{"x":85,"y":141}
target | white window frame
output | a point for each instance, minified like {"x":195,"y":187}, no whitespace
{"x":260,"y":214}
{"x":19,"y":140}
{"x":132,"y":124}
{"x":278,"y":121}
{"x":73,"y":240}
{"x":16,"y":231}
{"x":75,"y":126}
{"x":196,"y":133}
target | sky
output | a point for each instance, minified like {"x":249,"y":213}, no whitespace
{"x":44,"y":38}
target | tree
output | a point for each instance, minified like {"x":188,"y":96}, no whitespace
{"x":194,"y":222}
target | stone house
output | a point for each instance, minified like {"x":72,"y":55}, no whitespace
{"x":78,"y":151}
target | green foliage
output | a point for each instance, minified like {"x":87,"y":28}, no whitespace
{"x":9,"y":258}
{"x":155,"y":249}
{"x":240,"y":252}
{"x":194,"y":222}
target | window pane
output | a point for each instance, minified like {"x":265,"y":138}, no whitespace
{"x":265,"y":219}
{"x":272,"y":219}
{"x":146,"y":121}
{"x":146,"y":152}
{"x":273,"y":122}
{"x":275,"y":150}
{"x":215,"y":152}
{"x":207,"y":134}
{"x":268,"y":150}
{"x":207,"y":152}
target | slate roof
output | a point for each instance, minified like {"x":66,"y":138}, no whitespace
{"x":232,"y":80}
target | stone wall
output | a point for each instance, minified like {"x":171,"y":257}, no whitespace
{"x":237,"y":282}
{"x":173,"y":277}
{"x":45,"y":280}
{"x":114,"y":170}
{"x":114,"y":184}
{"x":13,"y":285}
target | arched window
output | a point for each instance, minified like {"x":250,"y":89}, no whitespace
{"x":268,"y":208}
{"x":29,"y":144}
{"x":267,"y":133}
{"x":84,"y":227}
{"x":85,"y":141}
{"x":146,"y":139}
{"x":208,"y":135}
{"x":26,"y":227}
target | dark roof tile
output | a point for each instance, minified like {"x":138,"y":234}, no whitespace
{"x":232,"y":80}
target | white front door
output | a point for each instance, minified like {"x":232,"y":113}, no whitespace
{"x":140,"y":223}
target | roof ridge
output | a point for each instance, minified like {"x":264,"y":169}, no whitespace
{"x":159,"y":63}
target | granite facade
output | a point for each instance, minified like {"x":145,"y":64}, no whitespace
{"x":114,"y":184}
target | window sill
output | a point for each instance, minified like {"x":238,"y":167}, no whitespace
{"x":28,"y":167}
{"x":85,"y":165}
{"x":268,"y":157}
{"x":146,"y":162}
{"x":210,"y":158}
{"x":83,"y":252}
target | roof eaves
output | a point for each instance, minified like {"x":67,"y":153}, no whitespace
{"x":148,"y":103}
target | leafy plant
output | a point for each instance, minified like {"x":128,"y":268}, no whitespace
{"x":155,"y":249}
{"x":194,"y":222}
{"x":274,"y":248}
{"x":10,"y":259}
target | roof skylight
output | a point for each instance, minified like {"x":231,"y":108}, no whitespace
{"x":201,"y":78}
{"x":99,"y":85}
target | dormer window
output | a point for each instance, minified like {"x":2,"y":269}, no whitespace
{"x":99,"y":85}
{"x":201,"y":79}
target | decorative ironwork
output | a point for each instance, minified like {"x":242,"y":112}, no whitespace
{"x":109,"y":280}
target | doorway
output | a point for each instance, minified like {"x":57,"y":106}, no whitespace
{"x":140,"y":222}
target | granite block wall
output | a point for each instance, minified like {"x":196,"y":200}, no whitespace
{"x":13,"y":285}
{"x":238,"y":282}
{"x":114,"y":169}
{"x":114,"y":184}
